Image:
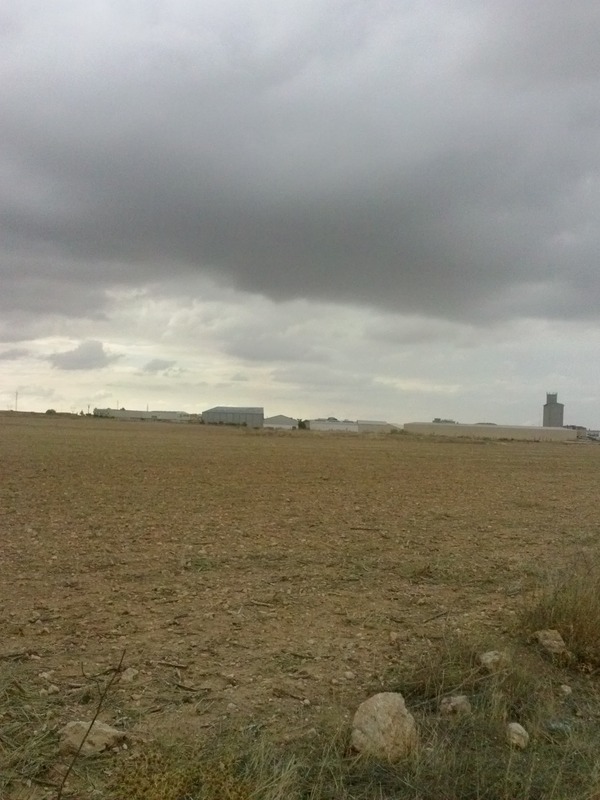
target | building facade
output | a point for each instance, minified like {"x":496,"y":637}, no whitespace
{"x":516,"y":432}
{"x":251,"y":417}
{"x":281,"y":422}
{"x":341,"y":426}
{"x":156,"y":416}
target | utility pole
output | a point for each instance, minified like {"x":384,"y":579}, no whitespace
{"x":17,"y":400}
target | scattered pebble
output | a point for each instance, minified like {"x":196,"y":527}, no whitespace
{"x":494,"y":660}
{"x":455,"y":704}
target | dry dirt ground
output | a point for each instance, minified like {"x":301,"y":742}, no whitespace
{"x":258,"y":576}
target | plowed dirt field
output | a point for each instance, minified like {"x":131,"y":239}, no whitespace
{"x":266,"y":576}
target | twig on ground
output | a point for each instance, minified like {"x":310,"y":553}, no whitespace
{"x":116,"y":670}
{"x":435,"y":616}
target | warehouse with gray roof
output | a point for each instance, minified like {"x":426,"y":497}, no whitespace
{"x":250,"y":416}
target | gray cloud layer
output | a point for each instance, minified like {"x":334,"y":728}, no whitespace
{"x":87,"y":355}
{"x":14,"y":354}
{"x":416,"y":156}
{"x":157,"y":365}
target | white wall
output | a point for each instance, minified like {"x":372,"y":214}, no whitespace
{"x":375,"y":426}
{"x":326,"y":425}
{"x":519,"y":432}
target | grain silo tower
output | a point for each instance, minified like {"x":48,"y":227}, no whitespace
{"x":553,"y":412}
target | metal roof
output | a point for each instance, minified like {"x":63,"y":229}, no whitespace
{"x":236,"y":409}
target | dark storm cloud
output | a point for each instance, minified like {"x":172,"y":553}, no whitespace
{"x":423,"y":157}
{"x":87,"y":355}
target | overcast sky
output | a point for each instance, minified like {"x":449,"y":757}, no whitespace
{"x":356,"y":208}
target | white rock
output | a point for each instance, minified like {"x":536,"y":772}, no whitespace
{"x":384,"y":728}
{"x":100,"y":738}
{"x":551,"y":641}
{"x":455,"y":704}
{"x":494,"y":660}
{"x":565,"y":689}
{"x":516,"y":735}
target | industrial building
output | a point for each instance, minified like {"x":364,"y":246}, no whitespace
{"x":251,"y":417}
{"x":281,"y":422}
{"x":349,"y":426}
{"x":517,"y":432}
{"x":343,"y":426}
{"x":375,"y":426}
{"x":156,"y":416}
{"x":553,"y":412}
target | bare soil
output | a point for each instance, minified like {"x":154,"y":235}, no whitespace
{"x":257,"y":575}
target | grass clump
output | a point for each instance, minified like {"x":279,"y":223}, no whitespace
{"x":467,"y":756}
{"x":27,"y":743}
{"x":228,"y":766}
{"x":570,"y":603}
{"x":460,"y":756}
{"x":459,"y":759}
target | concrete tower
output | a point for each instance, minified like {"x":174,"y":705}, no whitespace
{"x":553,"y":412}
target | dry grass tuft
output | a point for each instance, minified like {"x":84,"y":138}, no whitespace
{"x":460,"y":757}
{"x":570,"y":603}
{"x":229,"y":766}
{"x":27,"y":744}
{"x":464,"y":757}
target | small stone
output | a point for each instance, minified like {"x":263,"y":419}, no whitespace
{"x":565,"y":690}
{"x":306,"y":702}
{"x":128,"y":675}
{"x":516,"y":735}
{"x":349,"y":675}
{"x":559,"y":728}
{"x":455,"y":704}
{"x":384,"y":728}
{"x":53,"y":689}
{"x":494,"y":660}
{"x":101,"y":737}
{"x":394,"y":637}
{"x":551,"y":641}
